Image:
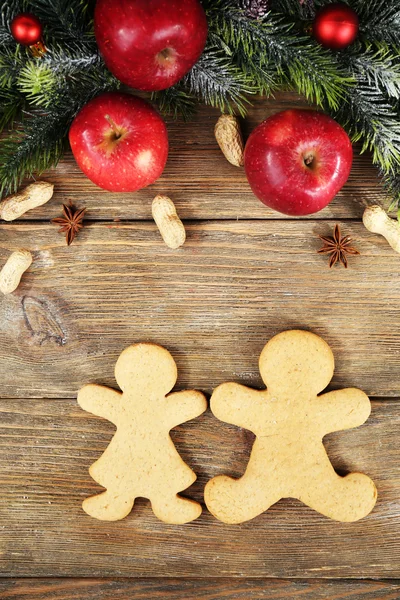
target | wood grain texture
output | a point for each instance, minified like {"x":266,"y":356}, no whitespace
{"x":46,"y":448}
{"x":199,"y":179}
{"x":196,"y":589}
{"x":214,"y":303}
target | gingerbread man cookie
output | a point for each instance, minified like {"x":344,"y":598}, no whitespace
{"x":289,"y":420}
{"x":141,"y":459}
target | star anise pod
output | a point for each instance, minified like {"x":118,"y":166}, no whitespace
{"x":338,"y":247}
{"x":71,"y":222}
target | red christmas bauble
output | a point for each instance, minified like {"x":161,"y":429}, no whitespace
{"x":26,"y":29}
{"x":336,"y":26}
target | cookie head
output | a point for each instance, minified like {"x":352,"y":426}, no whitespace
{"x":296,"y":362}
{"x":146,"y":368}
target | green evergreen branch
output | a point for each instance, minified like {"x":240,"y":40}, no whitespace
{"x":379,"y":20}
{"x":11,"y":100}
{"x":37,"y":83}
{"x":379,"y":67}
{"x":218,"y":82}
{"x":260,"y":76}
{"x":264,"y":76}
{"x":12,"y":60}
{"x":11,"y":103}
{"x":33,"y":147}
{"x":175,"y":102}
{"x":304,"y":10}
{"x":61,"y":75}
{"x":65,"y":20}
{"x":299,"y":60}
{"x":369,"y":117}
{"x":391,"y":182}
{"x":73,"y":59}
{"x":9,"y":9}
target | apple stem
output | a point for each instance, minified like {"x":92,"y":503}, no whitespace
{"x":114,"y":127}
{"x":308,"y":159}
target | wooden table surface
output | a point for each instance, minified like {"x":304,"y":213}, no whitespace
{"x":244,"y":274}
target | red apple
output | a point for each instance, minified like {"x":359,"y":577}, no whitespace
{"x":150,"y":44}
{"x":120,"y":142}
{"x":297,"y":160}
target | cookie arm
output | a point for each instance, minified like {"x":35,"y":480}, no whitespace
{"x":238,"y":405}
{"x":101,"y":401}
{"x":184,"y":406}
{"x":342,"y":409}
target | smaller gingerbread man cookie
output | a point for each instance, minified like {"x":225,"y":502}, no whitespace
{"x":141,"y":459}
{"x":289,"y":419}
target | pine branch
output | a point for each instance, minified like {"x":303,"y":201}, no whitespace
{"x":370,"y":118}
{"x":12,"y":60}
{"x":36,"y":145}
{"x":369,"y":112}
{"x":175,"y":102}
{"x":379,"y":67}
{"x":391,"y":182}
{"x":264,"y":76}
{"x":299,"y":61}
{"x":8,"y":10}
{"x":11,"y":103}
{"x":260,"y":71}
{"x":65,"y":20}
{"x":304,"y":10}
{"x":37,"y":83}
{"x":261,"y":76}
{"x":73,"y":59}
{"x":218,"y":82}
{"x":60,"y":75}
{"x":379,"y":20}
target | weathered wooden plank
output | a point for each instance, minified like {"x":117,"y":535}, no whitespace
{"x":199,"y":589}
{"x":47,"y":446}
{"x":199,"y":179}
{"x":213,"y":304}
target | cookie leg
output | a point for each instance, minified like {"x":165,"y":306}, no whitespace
{"x":108,"y":506}
{"x":237,"y":500}
{"x":175,"y":510}
{"x":343,"y":499}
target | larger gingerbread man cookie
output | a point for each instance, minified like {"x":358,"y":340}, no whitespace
{"x":141,"y":459}
{"x":289,"y":420}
